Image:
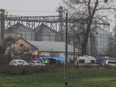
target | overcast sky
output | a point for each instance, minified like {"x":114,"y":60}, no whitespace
{"x":33,"y":7}
{"x":30,"y":7}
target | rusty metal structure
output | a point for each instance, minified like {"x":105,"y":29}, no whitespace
{"x":57,"y":22}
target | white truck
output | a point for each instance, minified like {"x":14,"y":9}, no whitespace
{"x":86,"y":60}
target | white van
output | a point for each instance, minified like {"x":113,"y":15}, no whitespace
{"x":111,"y":62}
{"x":86,"y":60}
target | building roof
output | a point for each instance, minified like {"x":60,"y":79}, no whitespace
{"x":44,"y":46}
{"x":18,"y":26}
{"x":43,"y":26}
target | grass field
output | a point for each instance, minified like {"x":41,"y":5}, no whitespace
{"x":81,"y":77}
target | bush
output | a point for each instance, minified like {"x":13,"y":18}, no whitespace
{"x":2,"y":50}
{"x":16,"y":70}
{"x":26,"y":70}
{"x":3,"y":60}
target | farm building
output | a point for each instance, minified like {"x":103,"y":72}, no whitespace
{"x":19,"y":30}
{"x":100,"y":41}
{"x":45,"y":33}
{"x":45,"y":48}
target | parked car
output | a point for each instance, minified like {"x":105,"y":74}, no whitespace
{"x":36,"y":63}
{"x":111,"y":62}
{"x":17,"y":62}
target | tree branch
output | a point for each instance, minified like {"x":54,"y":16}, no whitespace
{"x":89,"y":7}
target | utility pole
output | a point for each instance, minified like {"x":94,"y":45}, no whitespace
{"x":66,"y":51}
{"x":2,"y":14}
{"x":74,"y":57}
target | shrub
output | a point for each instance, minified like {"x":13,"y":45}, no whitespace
{"x":3,"y":60}
{"x":2,"y":50}
{"x":16,"y":70}
{"x":26,"y":70}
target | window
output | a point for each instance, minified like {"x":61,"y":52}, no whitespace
{"x":113,"y":62}
{"x":92,"y":61}
{"x":38,"y":62}
{"x":20,"y":62}
{"x":81,"y":61}
{"x":32,"y":62}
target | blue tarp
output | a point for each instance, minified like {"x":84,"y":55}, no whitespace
{"x":60,"y":59}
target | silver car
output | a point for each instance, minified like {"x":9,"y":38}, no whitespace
{"x":35,"y":63}
{"x":17,"y":62}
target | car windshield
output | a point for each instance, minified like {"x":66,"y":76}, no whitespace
{"x":32,"y":62}
{"x":21,"y":62}
{"x":38,"y":62}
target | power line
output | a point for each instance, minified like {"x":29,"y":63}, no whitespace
{"x":28,"y":11}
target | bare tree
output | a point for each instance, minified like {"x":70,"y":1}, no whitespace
{"x":88,"y":10}
{"x":114,"y":43}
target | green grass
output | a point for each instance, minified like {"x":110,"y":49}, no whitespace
{"x":82,"y":77}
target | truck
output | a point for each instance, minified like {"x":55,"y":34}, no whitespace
{"x":86,"y":60}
